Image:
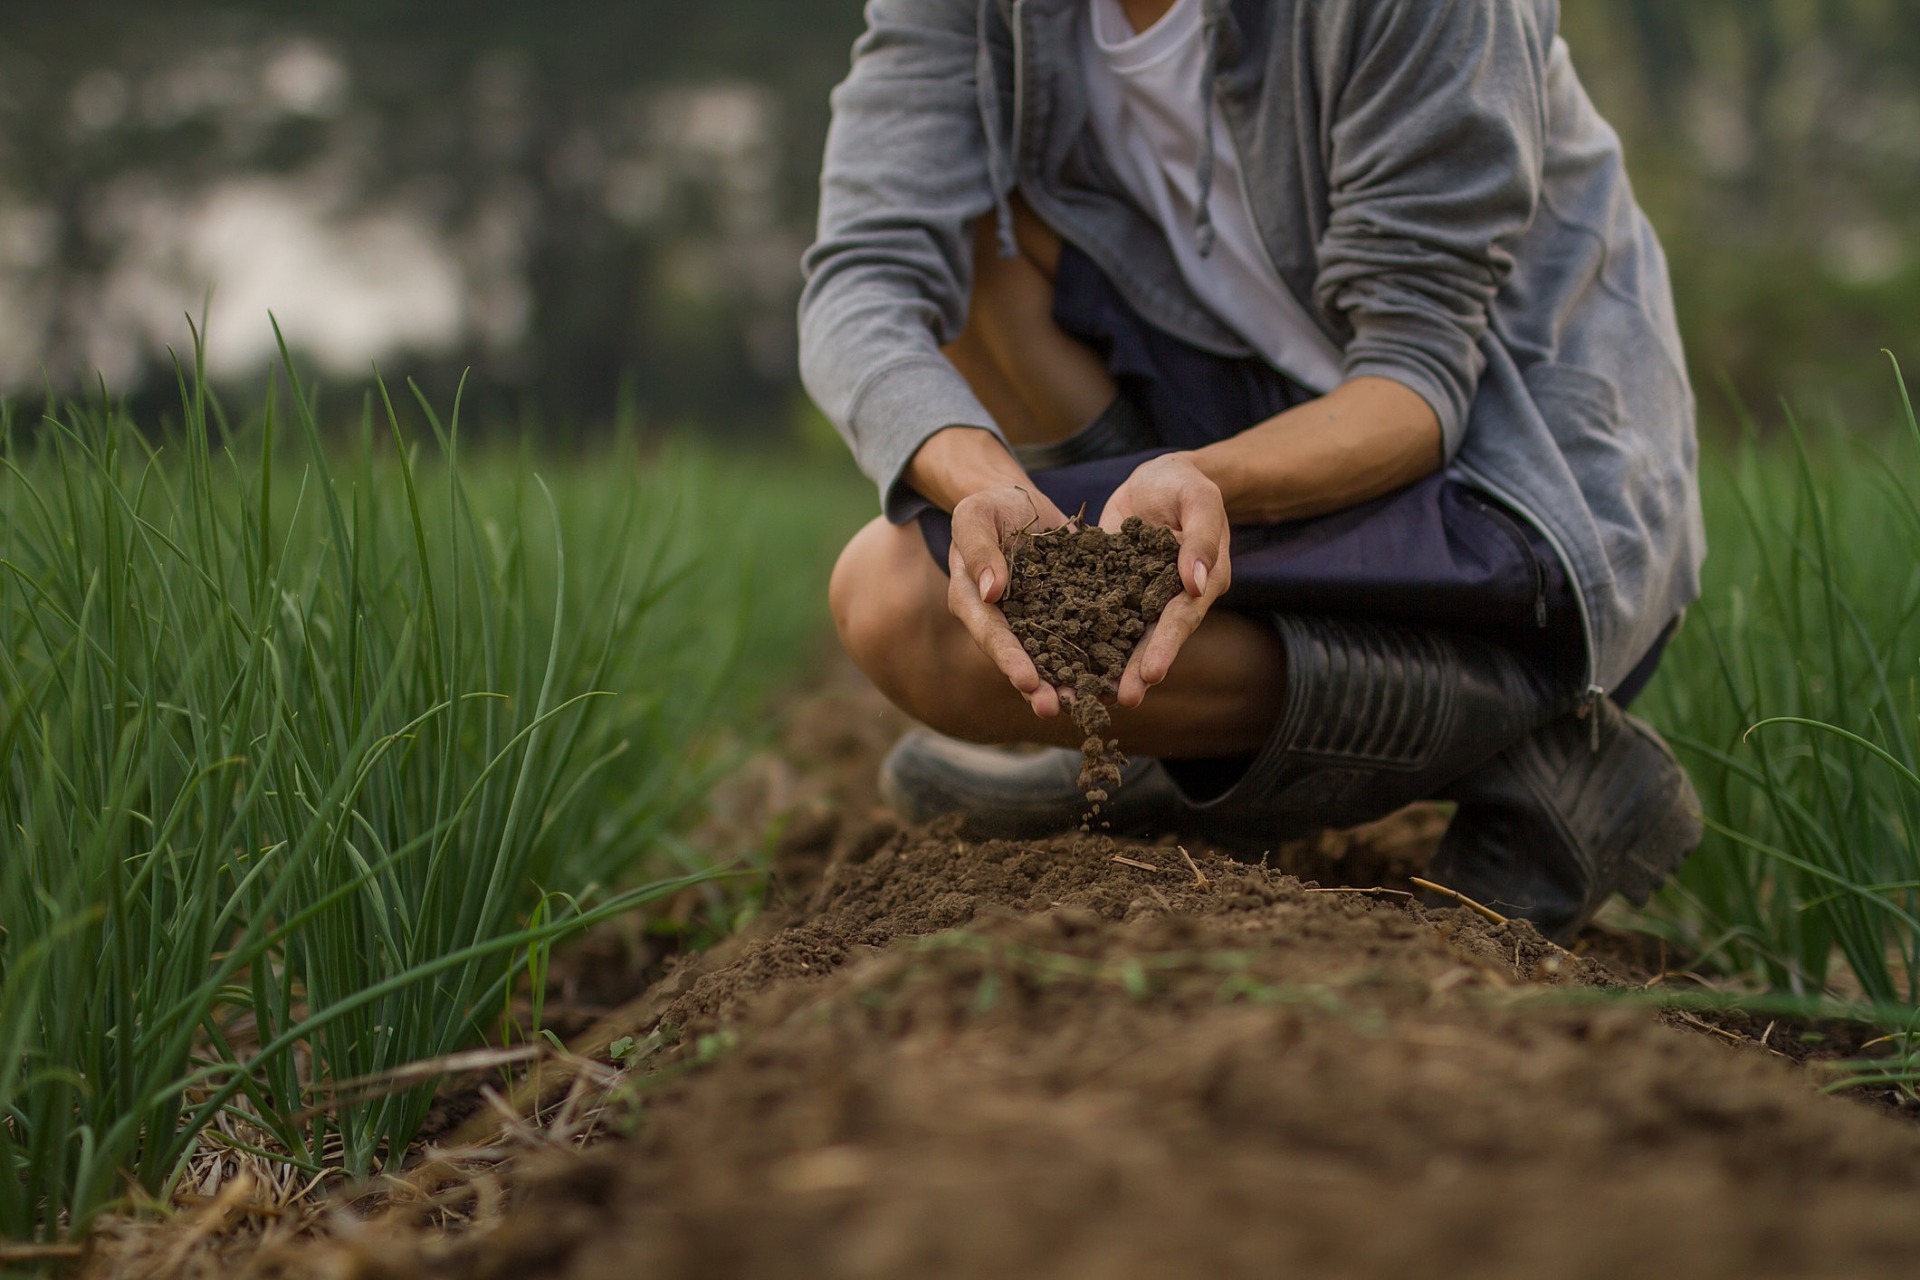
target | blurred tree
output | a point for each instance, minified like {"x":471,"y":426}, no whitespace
{"x":615,"y":190}
{"x":578,"y":196}
{"x":1776,"y":144}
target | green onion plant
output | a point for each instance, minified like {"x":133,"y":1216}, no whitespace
{"x":1793,"y":693}
{"x":309,"y":750}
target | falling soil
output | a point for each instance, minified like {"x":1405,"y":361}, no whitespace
{"x":1087,"y":1058}
{"x":1079,"y":599}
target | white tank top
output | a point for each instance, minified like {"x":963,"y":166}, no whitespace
{"x":1144,"y":95}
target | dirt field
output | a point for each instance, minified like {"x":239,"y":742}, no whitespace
{"x":1085,"y":1059}
{"x":934,"y":1058}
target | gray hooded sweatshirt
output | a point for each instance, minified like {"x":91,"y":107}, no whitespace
{"x":1433,"y":185}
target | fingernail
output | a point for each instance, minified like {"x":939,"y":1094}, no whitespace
{"x":986,"y":583}
{"x":1200,"y":576}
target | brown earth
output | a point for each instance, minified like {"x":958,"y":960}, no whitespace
{"x":1079,"y":599}
{"x":1078,"y":1058}
{"x":1081,"y":1058}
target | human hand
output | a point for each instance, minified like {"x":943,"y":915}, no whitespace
{"x":978,"y":577}
{"x":1171,"y":491}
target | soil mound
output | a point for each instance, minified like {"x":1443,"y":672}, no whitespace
{"x":1079,"y":599}
{"x":1085,"y":1058}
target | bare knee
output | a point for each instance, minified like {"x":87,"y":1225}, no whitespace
{"x":875,"y":593}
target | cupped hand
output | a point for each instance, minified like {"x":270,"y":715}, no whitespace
{"x":1171,"y":491}
{"x":977,"y":564}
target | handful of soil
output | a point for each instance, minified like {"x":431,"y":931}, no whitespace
{"x":1079,"y":599}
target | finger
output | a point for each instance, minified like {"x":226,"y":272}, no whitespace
{"x":976,"y":548}
{"x":1003,"y":649}
{"x":1132,"y":690}
{"x":988,"y":628}
{"x":991,"y":566}
{"x":1214,"y":579}
{"x":1161,"y":646}
{"x":1118,"y":508}
{"x":1045,"y":702}
{"x":1204,"y":534}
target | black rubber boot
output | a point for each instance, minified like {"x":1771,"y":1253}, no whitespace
{"x":1376,"y":717}
{"x":1581,"y":810}
{"x":1006,"y":795}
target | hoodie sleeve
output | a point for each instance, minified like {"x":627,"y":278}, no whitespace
{"x":887,"y":280}
{"x":1437,"y":135}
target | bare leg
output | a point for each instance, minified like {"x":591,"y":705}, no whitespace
{"x":890,"y":600}
{"x":1039,"y":384}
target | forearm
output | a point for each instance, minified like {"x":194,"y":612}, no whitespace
{"x":1365,"y":438}
{"x":959,"y":462}
{"x":903,"y":177}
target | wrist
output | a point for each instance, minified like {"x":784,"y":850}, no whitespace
{"x":955,"y":463}
{"x":1224,"y":463}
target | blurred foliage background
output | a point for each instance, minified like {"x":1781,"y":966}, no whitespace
{"x":601,"y":205}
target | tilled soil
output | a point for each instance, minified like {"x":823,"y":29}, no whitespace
{"x":1077,"y":1058}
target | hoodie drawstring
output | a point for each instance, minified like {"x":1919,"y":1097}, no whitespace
{"x":987,"y":84}
{"x":1203,"y":232}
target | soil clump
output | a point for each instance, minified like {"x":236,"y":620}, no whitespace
{"x":1079,"y":599}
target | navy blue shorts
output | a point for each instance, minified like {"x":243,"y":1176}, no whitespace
{"x":1437,"y":553}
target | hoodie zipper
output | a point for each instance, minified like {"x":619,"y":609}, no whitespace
{"x":1584,"y":708}
{"x":1019,"y":84}
{"x":1590,"y":698}
{"x":1511,"y":529}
